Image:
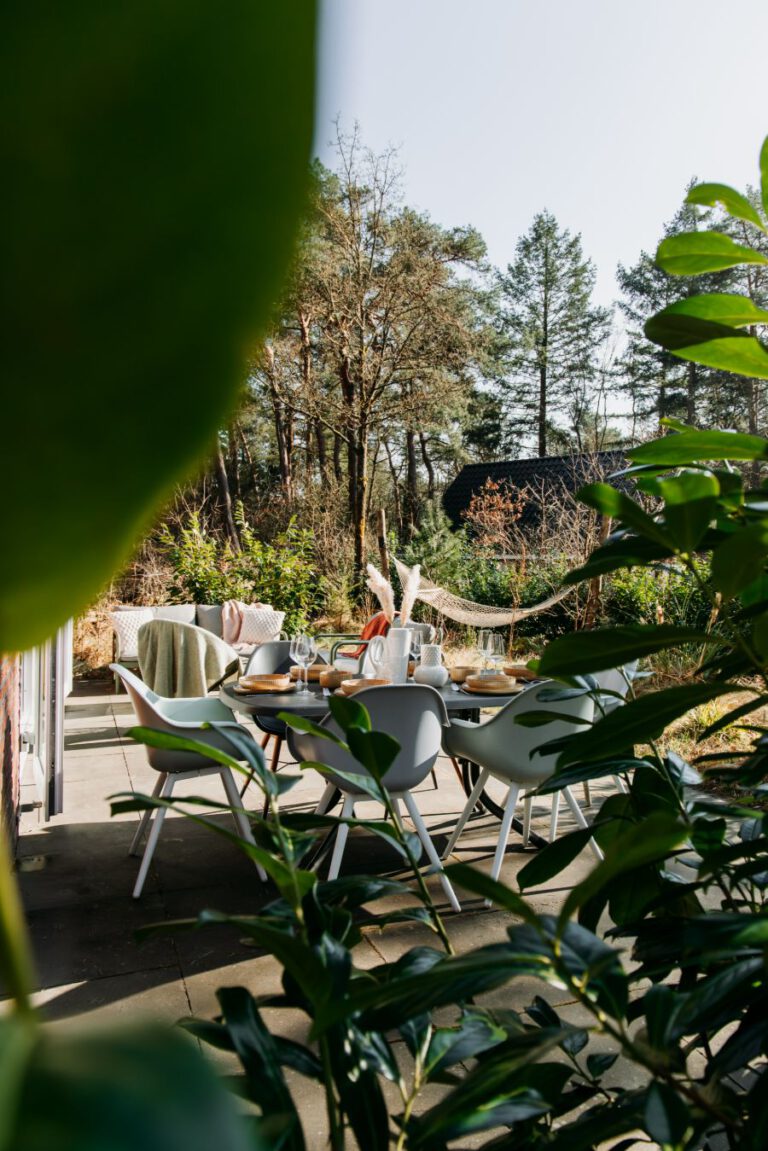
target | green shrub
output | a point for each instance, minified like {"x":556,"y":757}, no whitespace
{"x":281,"y":572}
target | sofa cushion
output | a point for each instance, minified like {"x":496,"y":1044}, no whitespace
{"x":180,"y":612}
{"x":209,"y":617}
{"x":260,"y":625}
{"x":126,"y":621}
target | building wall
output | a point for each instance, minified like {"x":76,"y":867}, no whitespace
{"x":9,"y":746}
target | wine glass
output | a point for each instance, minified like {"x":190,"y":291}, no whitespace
{"x":483,"y":641}
{"x":416,"y":644}
{"x":306,"y":649}
{"x":292,"y":651}
{"x":497,"y":649}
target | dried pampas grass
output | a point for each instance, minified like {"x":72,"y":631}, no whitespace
{"x":382,"y":589}
{"x":410,"y":591}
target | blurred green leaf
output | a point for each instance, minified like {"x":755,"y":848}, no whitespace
{"x":764,"y":174}
{"x":125,"y":1089}
{"x":375,"y":750}
{"x":735,"y":204}
{"x":689,"y":447}
{"x":602,"y":648}
{"x":155,"y":163}
{"x":713,"y":345}
{"x":740,"y":559}
{"x":349,"y":713}
{"x":692,"y":253}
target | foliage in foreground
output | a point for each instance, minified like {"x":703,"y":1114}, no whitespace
{"x":683,"y":883}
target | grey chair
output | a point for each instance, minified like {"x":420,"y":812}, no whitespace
{"x":183,"y":717}
{"x":270,"y":659}
{"x":506,"y":750}
{"x":416,"y":716}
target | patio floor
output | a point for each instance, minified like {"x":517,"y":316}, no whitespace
{"x":76,"y":879}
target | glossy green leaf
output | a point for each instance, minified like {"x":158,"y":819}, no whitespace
{"x":642,"y":844}
{"x":587,"y":651}
{"x":693,"y":253}
{"x":609,"y":502}
{"x":640,"y":721}
{"x":720,"y":308}
{"x":735,"y":204}
{"x":713,"y":345}
{"x":690,"y":505}
{"x":349,"y":713}
{"x":155,"y":162}
{"x":553,"y":859}
{"x":481,"y":884}
{"x":258,"y":1054}
{"x":375,"y":750}
{"x":126,"y":1089}
{"x":666,"y":1115}
{"x":625,"y":552}
{"x":741,"y":559}
{"x":477,"y":1031}
{"x":690,"y":447}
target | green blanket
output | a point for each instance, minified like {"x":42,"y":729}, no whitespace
{"x":180,"y":659}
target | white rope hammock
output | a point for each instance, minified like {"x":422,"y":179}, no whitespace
{"x":465,"y":610}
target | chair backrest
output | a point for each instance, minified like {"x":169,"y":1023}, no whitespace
{"x":510,"y":750}
{"x":413,"y":713}
{"x":149,"y":708}
{"x":615,"y":679}
{"x":273,"y":657}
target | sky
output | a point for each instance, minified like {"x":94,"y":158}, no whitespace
{"x":599,"y":110}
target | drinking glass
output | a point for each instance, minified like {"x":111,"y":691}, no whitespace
{"x":497,"y":649}
{"x":483,"y":642}
{"x":306,"y":649}
{"x":416,"y":645}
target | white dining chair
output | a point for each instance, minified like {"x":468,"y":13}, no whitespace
{"x":183,"y":717}
{"x":508,"y":751}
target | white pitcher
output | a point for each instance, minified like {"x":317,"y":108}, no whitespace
{"x":397,"y":647}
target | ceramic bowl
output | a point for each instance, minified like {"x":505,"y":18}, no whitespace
{"x":491,"y":682}
{"x":459,"y":673}
{"x":332,"y":678}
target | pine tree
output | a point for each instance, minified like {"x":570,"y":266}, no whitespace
{"x":553,"y":331}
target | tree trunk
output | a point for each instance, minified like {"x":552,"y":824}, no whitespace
{"x":225,"y":498}
{"x":690,"y":394}
{"x":360,"y":454}
{"x":234,"y":461}
{"x":542,"y":410}
{"x":322,"y":451}
{"x":410,"y":503}
{"x":428,"y":465}
{"x":283,"y":428}
{"x":337,"y":468}
{"x":381,"y":539}
{"x":595,"y":586}
{"x":395,"y":489}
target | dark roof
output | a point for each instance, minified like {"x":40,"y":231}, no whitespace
{"x":540,"y":474}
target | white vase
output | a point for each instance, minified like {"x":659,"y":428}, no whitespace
{"x":431,"y":655}
{"x":397,"y":647}
{"x":434,"y":675}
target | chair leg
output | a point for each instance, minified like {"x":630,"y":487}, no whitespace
{"x":326,"y":799}
{"x":468,"y":809}
{"x":429,"y":848}
{"x":587,"y":793}
{"x":578,"y":815}
{"x":528,"y":805}
{"x":506,"y":824}
{"x":555,"y":816}
{"x":265,"y":740}
{"x":239,"y":816}
{"x":347,"y":812}
{"x":620,"y":785}
{"x":146,"y":816}
{"x":457,"y":769}
{"x":276,"y":753}
{"x":154,"y":835}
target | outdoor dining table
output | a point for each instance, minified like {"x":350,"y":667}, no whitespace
{"x":314,"y":705}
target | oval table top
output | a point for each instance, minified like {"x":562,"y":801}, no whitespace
{"x":314,"y":704}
